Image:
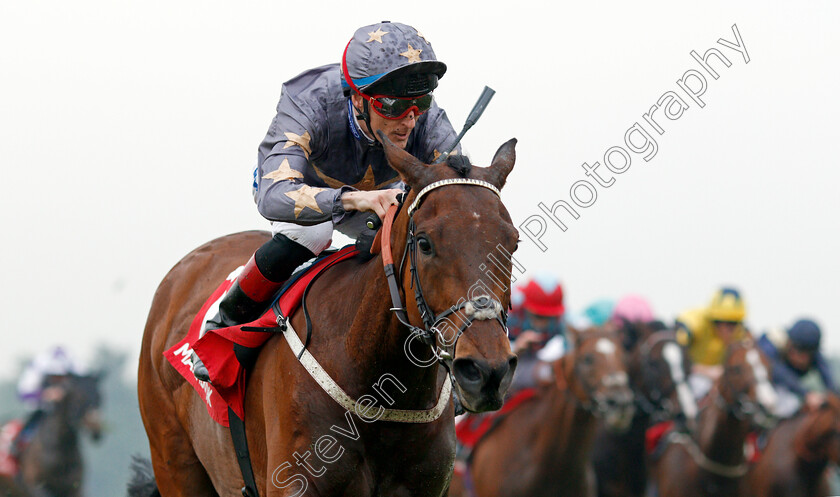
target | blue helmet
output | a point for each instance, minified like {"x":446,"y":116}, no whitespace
{"x":805,"y":335}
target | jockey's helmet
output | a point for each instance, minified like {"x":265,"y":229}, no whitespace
{"x":55,"y":361}
{"x":727,"y":305}
{"x":599,"y":312}
{"x":543,"y":296}
{"x":805,"y":335}
{"x":632,"y":309}
{"x":390,"y":59}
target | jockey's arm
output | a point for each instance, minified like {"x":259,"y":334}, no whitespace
{"x":785,"y":377}
{"x":376,"y":201}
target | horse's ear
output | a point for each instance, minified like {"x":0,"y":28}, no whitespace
{"x":502,"y":164}
{"x":412,"y":171}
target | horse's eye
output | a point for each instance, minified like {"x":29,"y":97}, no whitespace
{"x":424,"y":245}
{"x":588,"y":360}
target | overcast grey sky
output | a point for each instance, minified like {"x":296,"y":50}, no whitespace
{"x":129,"y":130}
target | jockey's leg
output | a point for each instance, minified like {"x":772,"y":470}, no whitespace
{"x":266,"y":272}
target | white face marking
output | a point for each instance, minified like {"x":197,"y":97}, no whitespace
{"x":674,"y":357}
{"x":764,"y":391}
{"x":476,"y":215}
{"x":605,"y":346}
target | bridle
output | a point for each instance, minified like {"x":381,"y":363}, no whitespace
{"x":592,"y":402}
{"x":482,"y":307}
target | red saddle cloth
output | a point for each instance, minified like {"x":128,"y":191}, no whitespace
{"x":215,"y":348}
{"x":8,"y":433}
{"x":654,"y":434}
{"x":472,"y":427}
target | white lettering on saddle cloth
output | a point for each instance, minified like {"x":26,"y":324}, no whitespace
{"x":186,"y":352}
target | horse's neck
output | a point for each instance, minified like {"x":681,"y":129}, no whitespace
{"x":56,"y":428}
{"x":377,"y":340}
{"x":721,"y":435}
{"x":565,"y":431}
{"x":810,"y":443}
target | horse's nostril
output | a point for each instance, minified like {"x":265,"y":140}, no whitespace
{"x":467,"y":370}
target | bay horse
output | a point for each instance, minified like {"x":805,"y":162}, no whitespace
{"x":51,"y":463}
{"x":542,"y":448}
{"x":798,"y":453}
{"x":11,"y":488}
{"x":451,"y":221}
{"x":711,"y":461}
{"x":658,"y":368}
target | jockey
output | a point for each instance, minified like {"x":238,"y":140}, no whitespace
{"x":795,"y":354}
{"x":537,"y":329}
{"x":707,"y":332}
{"x":39,"y":382}
{"x":629,"y":312}
{"x":40,"y":385}
{"x":321,"y":163}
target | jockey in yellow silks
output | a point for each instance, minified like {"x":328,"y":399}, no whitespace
{"x":707,"y":332}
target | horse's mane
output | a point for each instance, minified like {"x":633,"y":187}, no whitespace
{"x":460,"y":163}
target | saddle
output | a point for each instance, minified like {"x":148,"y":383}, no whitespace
{"x":228,"y":353}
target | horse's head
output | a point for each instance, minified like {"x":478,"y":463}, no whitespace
{"x":745,"y":383}
{"x":659,"y":369}
{"x":83,"y":401}
{"x":456,"y":268}
{"x":595,"y":374}
{"x":819,"y":436}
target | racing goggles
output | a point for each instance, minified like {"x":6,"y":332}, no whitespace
{"x":399,"y":107}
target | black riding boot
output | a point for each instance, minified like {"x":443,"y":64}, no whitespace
{"x":255,"y":287}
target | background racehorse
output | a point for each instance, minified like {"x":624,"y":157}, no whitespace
{"x":711,"y":462}
{"x":795,"y":461}
{"x":542,"y":448}
{"x":10,"y":488}
{"x":658,"y":369}
{"x":358,"y":340}
{"x":51,"y":463}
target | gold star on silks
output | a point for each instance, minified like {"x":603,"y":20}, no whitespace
{"x":412,"y":54}
{"x":377,"y":35}
{"x":283,"y":172}
{"x":367,"y":183}
{"x":305,"y":197}
{"x":301,"y":141}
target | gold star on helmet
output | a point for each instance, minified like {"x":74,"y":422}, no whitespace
{"x":367,"y":183}
{"x":283,"y":172}
{"x":421,"y":36}
{"x":301,"y":141}
{"x":412,"y":54}
{"x":377,"y":35}
{"x":305,"y":197}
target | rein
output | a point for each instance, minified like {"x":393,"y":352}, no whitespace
{"x":703,"y":461}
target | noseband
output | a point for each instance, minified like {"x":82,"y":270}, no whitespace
{"x":482,"y":307}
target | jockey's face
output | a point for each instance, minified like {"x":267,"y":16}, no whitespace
{"x":800,"y":359}
{"x":725,"y":330}
{"x":397,"y":130}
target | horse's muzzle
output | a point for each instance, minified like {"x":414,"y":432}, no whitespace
{"x":482,"y":386}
